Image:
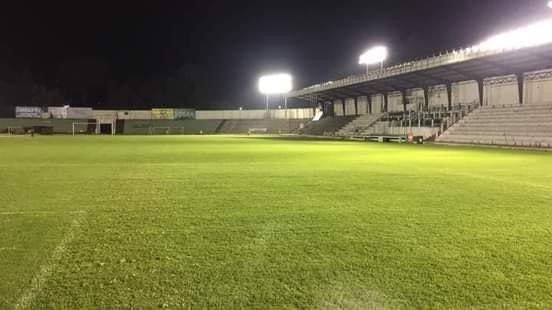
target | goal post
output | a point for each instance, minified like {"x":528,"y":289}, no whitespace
{"x":16,"y":131}
{"x":87,"y":128}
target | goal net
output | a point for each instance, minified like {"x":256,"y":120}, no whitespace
{"x":16,"y":131}
{"x":85,"y":128}
{"x":251,"y":131}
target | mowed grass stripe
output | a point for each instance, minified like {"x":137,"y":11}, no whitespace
{"x":237,"y":222}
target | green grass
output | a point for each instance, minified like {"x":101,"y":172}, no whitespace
{"x":236,"y":222}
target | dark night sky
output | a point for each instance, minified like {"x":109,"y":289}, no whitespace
{"x":236,"y":41}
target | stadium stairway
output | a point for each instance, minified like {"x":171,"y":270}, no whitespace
{"x":272,"y":126}
{"x":358,"y":125}
{"x":327,"y":126}
{"x":519,"y":125}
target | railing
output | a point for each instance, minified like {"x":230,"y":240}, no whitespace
{"x":455,"y":56}
{"x":442,"y":118}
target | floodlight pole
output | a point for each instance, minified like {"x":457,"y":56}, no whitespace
{"x":286,"y":107}
{"x":267,"y":108}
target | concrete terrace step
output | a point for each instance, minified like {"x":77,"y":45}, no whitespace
{"x":516,"y":126}
{"x":539,"y":120}
{"x":514,"y":115}
{"x":497,"y":140}
{"x":516,"y":107}
{"x":527,"y":126}
{"x":501,"y":133}
{"x":360,"y":123}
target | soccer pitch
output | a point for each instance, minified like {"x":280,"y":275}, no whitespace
{"x":244,"y":222}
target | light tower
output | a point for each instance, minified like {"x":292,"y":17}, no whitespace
{"x":275,"y":84}
{"x":375,"y":55}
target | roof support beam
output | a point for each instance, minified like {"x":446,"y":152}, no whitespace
{"x":511,"y":69}
{"x":342,"y":93}
{"x":467,"y":75}
{"x":434,"y":78}
{"x":357,"y":92}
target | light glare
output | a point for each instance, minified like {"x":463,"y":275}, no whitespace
{"x":374,"y":56}
{"x":276,"y":84}
{"x":550,"y":4}
{"x":533,"y":35}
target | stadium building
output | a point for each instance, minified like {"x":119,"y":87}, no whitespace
{"x":498,"y":92}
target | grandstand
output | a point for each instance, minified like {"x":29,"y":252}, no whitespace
{"x":520,"y":125}
{"x":472,"y":96}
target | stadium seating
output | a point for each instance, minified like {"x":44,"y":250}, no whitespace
{"x":357,"y":126}
{"x":142,"y":127}
{"x":272,"y":126}
{"x":386,"y":128}
{"x":327,"y":126}
{"x":519,"y":125}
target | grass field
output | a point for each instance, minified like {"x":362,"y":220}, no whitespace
{"x":237,"y":222}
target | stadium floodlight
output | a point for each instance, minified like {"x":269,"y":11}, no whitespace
{"x":375,"y":55}
{"x":535,"y":34}
{"x":275,"y":84}
{"x":550,"y":4}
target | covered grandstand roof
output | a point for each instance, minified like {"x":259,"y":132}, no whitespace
{"x":456,"y":66}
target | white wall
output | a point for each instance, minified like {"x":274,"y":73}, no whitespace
{"x":538,"y":87}
{"x":28,"y":112}
{"x":377,"y":104}
{"x":415,"y":99}
{"x":57,"y":112}
{"x":362,"y":104}
{"x":137,"y":115}
{"x":395,"y":102}
{"x":350,"y":107}
{"x":501,"y":90}
{"x":305,"y":113}
{"x":465,"y":93}
{"x":80,"y":113}
{"x":105,"y":114}
{"x":338,"y":108}
{"x":438,"y":96}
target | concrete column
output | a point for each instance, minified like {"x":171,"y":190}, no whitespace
{"x":369,"y":102}
{"x":403,"y":99}
{"x":520,"y":81}
{"x":481,"y":87}
{"x":449,"y":94}
{"x":384,"y":108}
{"x":426,"y":97}
{"x":356,"y":105}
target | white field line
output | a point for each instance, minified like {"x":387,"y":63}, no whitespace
{"x":40,"y":212}
{"x":28,"y":296}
